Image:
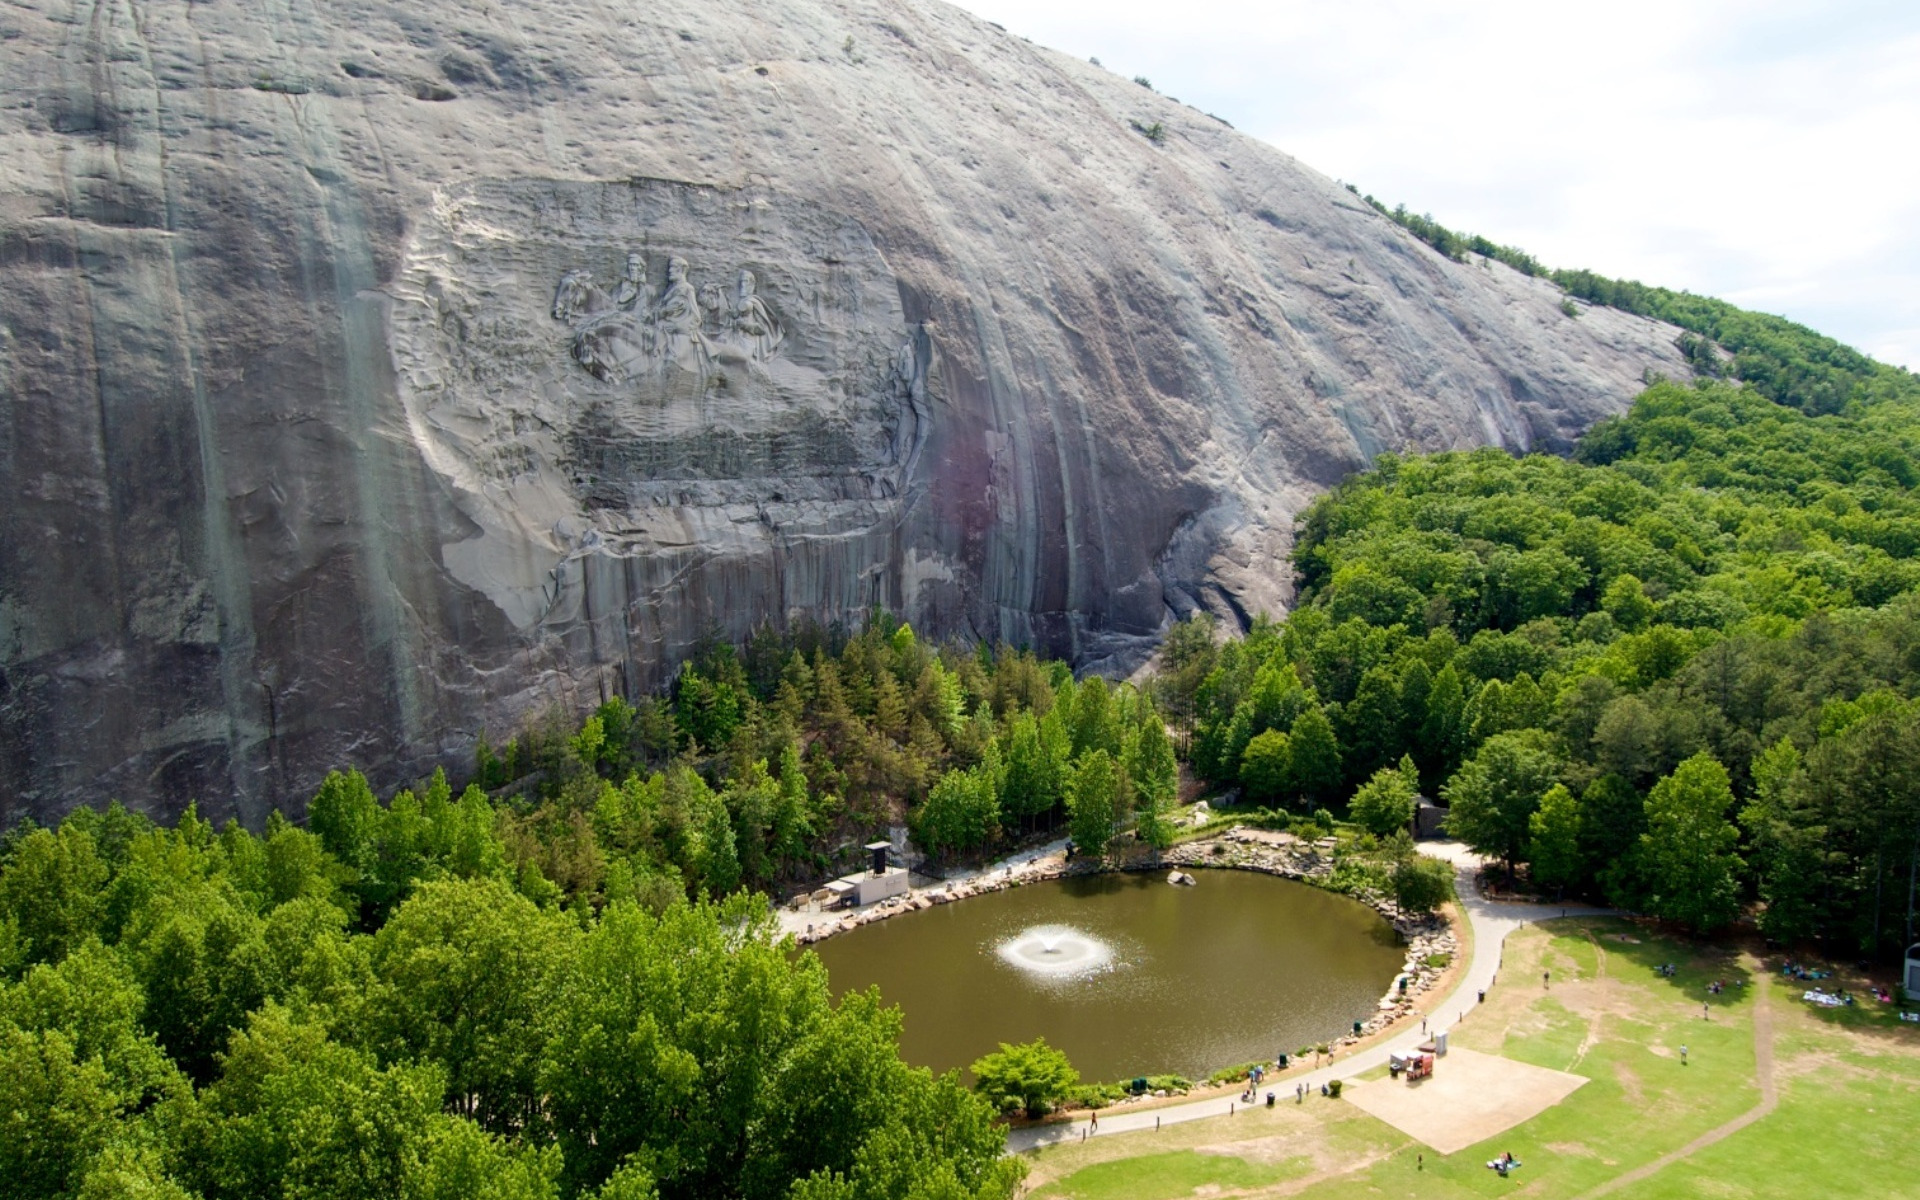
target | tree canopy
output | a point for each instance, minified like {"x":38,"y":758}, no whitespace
{"x":193,"y":1013}
{"x":1716,"y":572}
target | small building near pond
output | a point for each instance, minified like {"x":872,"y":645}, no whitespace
{"x":1429,"y":818}
{"x":879,"y":882}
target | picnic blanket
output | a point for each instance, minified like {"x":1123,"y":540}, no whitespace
{"x":1823,"y":999}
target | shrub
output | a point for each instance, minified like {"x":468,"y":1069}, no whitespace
{"x":1034,"y":1074}
{"x":1384,"y":804}
{"x":1230,"y":1074}
{"x":1421,"y":884}
{"x":1095,"y":1095}
{"x":1333,"y":1088}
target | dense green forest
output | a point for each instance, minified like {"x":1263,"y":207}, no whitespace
{"x":1678,"y":672}
{"x":772,"y":764}
{"x":528,"y":993}
{"x":192,"y":1012}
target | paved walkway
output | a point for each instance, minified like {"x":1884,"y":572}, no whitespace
{"x":1491,"y":921}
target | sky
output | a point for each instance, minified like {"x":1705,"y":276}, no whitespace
{"x":1764,"y":152}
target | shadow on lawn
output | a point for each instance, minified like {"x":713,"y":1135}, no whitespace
{"x":1696,"y":962}
{"x":1865,"y":1016}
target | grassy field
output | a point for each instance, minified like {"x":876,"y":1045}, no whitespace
{"x":1844,"y":1119}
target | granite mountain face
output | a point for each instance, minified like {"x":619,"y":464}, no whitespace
{"x":380,"y":372}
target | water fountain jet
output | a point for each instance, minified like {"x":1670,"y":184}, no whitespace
{"x":1055,"y":952}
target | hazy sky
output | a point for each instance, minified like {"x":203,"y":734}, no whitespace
{"x":1764,"y":152}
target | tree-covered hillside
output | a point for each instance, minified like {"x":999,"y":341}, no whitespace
{"x":771,"y":765}
{"x":1678,"y":671}
{"x":1783,"y":361}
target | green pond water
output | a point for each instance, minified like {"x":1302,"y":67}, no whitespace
{"x":1126,"y":973}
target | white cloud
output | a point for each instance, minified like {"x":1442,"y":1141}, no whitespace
{"x":1757,"y":150}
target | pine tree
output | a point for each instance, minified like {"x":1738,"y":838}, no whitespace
{"x":1091,"y":802}
{"x":1155,"y":776}
{"x":1788,"y":847}
{"x":1316,"y":755}
{"x":1441,"y":732}
{"x":1094,"y":726}
{"x":1370,"y":723}
{"x":1416,"y":685}
{"x":792,"y":818}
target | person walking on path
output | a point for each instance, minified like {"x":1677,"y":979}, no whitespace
{"x":1683,"y":1056}
{"x":1546,"y":979}
{"x":1094,"y":1122}
{"x":1706,"y":1011}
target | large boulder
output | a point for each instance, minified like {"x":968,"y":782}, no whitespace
{"x":380,"y":371}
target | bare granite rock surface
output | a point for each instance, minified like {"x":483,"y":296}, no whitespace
{"x":376,"y":372}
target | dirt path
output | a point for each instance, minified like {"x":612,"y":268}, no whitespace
{"x":1769,"y":1096}
{"x":1593,"y":1023}
{"x":1294,"y":1187}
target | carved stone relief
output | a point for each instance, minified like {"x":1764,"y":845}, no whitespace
{"x":597,"y":369}
{"x":619,"y":335}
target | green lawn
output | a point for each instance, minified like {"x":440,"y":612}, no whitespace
{"x":1173,"y":1174}
{"x":1848,"y":1081}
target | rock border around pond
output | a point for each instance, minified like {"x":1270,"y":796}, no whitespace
{"x":1280,"y":854}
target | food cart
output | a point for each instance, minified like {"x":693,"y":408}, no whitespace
{"x":1417,"y":1065}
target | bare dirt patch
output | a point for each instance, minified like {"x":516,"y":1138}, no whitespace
{"x":1309,"y":1145}
{"x":1576,"y":1149}
{"x":1471,"y":1097}
{"x":1630,"y":1084}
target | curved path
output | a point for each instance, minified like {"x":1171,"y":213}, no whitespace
{"x":1491,"y":922}
{"x":1769,"y":1098}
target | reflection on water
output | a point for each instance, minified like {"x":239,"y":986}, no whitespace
{"x":1128,"y":975}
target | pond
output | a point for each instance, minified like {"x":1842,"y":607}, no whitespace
{"x":1127,"y":973}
